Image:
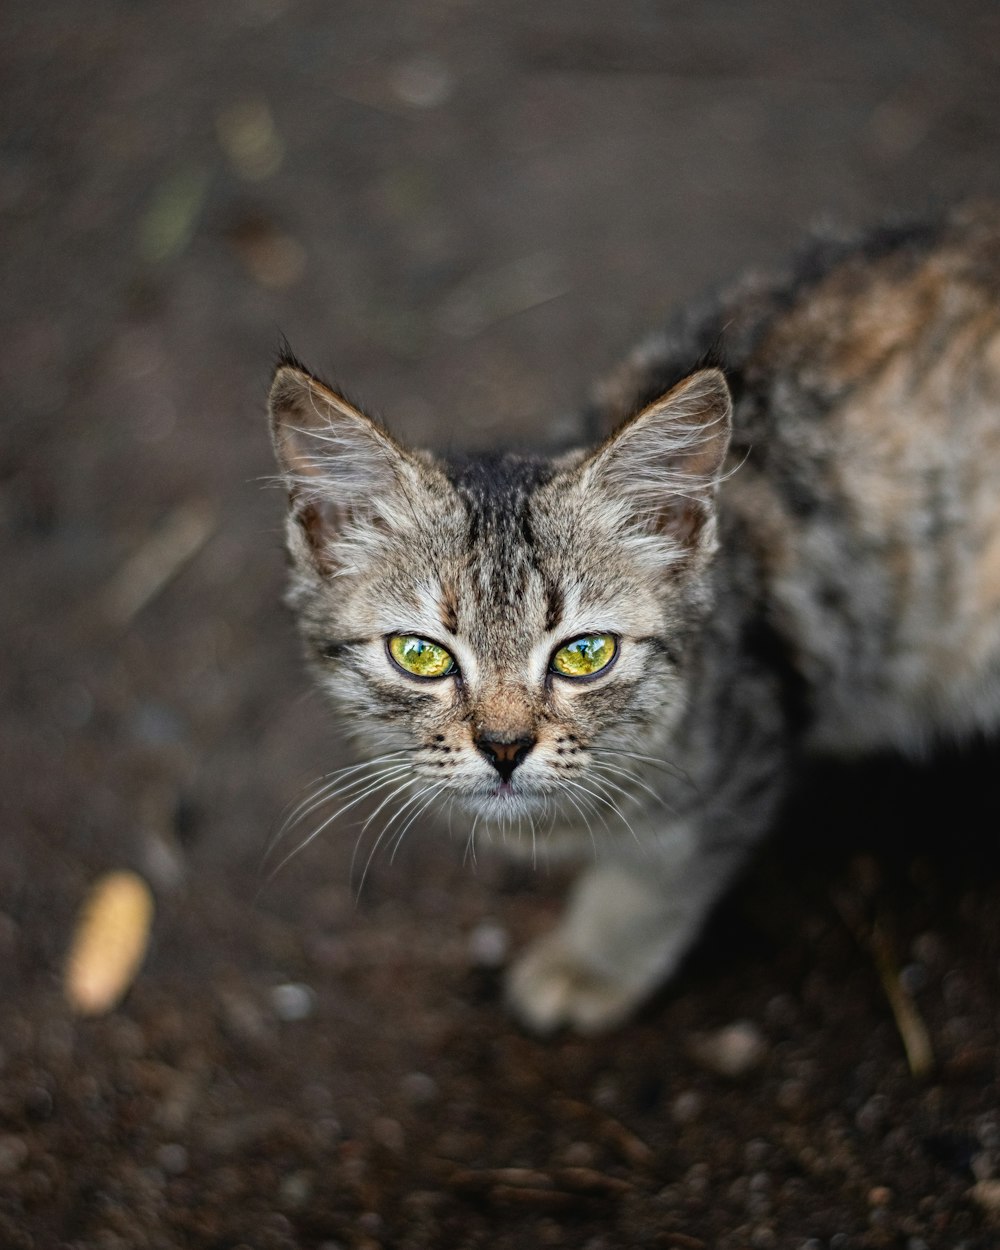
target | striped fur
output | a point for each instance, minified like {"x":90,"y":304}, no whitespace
{"x":812,"y":567}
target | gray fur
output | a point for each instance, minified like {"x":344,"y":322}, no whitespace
{"x":833,"y":585}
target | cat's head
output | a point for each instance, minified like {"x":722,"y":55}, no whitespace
{"x":503,"y":630}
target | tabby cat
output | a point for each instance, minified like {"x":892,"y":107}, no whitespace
{"x":786,"y":540}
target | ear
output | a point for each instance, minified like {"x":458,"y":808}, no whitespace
{"x":664,"y":464}
{"x":340,"y":466}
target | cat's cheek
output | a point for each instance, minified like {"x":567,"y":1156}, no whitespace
{"x":599,"y":702}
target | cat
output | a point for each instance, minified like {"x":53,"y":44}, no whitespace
{"x":784,"y":541}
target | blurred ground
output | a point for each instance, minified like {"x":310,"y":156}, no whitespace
{"x":464,"y":211}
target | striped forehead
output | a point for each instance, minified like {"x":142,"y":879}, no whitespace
{"x":495,"y":491}
{"x":496,"y":487}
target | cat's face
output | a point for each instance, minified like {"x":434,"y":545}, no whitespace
{"x":502,"y":631}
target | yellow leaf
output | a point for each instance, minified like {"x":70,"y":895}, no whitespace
{"x":109,"y":944}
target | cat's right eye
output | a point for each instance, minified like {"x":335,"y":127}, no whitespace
{"x":420,"y":657}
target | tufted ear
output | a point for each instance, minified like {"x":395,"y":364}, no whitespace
{"x":664,"y":464}
{"x":341,"y":467}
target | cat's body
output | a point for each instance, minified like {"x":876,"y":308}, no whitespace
{"x":826,"y":580}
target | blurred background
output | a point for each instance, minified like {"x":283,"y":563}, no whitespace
{"x":463,"y":212}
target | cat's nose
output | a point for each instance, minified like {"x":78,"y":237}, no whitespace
{"x":504,"y":756}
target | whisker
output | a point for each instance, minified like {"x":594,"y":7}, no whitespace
{"x":599,"y":773}
{"x":667,"y":766}
{"x":361,"y":832}
{"x":471,"y":840}
{"x":359,"y":789}
{"x":333,"y":791}
{"x":601,"y":767}
{"x":332,"y":777}
{"x":384,"y":830}
{"x":372,"y":789}
{"x":435,"y":791}
{"x":609,"y":802}
{"x":326,"y":788}
{"x":586,"y":818}
{"x":470,"y":848}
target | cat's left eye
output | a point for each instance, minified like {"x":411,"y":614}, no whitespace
{"x":420,"y":656}
{"x":584,"y":656}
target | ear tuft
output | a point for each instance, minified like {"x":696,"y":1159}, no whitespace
{"x":339,"y":465}
{"x":666,"y":462}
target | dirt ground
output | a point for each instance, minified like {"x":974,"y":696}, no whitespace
{"x":464,"y":211}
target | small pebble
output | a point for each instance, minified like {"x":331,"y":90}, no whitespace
{"x":13,"y":1152}
{"x":755,"y":1152}
{"x":988,"y":1131}
{"x":39,"y":1103}
{"x":327,"y":1131}
{"x":697,"y":1180}
{"x":959,"y":1030}
{"x":488,"y":945}
{"x":606,"y":1093}
{"x":738,"y":1190}
{"x":913,"y":978}
{"x":871,"y":1117}
{"x":792,"y":1094}
{"x":296,"y":1189}
{"x":418,"y":1088}
{"x":879,"y":1196}
{"x":781,"y":1011}
{"x":162,"y":859}
{"x":242,"y":1015}
{"x":579,"y":1154}
{"x":686,"y":1107}
{"x":422,"y":82}
{"x":370,"y":1222}
{"x":293,"y":1001}
{"x":389,"y":1133}
{"x":732,"y":1051}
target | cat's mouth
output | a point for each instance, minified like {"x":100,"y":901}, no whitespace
{"x":503,"y":796}
{"x":505,"y":799}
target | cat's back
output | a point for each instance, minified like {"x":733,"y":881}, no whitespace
{"x":866,"y":386}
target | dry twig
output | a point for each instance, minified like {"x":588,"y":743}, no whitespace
{"x":629,"y":1145}
{"x":909,"y":1023}
{"x":160,"y":558}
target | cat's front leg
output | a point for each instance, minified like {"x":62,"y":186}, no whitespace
{"x":625,"y":930}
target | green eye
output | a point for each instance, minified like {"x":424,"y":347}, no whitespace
{"x":585,"y":655}
{"x":420,"y":656}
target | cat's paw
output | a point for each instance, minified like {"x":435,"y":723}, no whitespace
{"x":551,"y":987}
